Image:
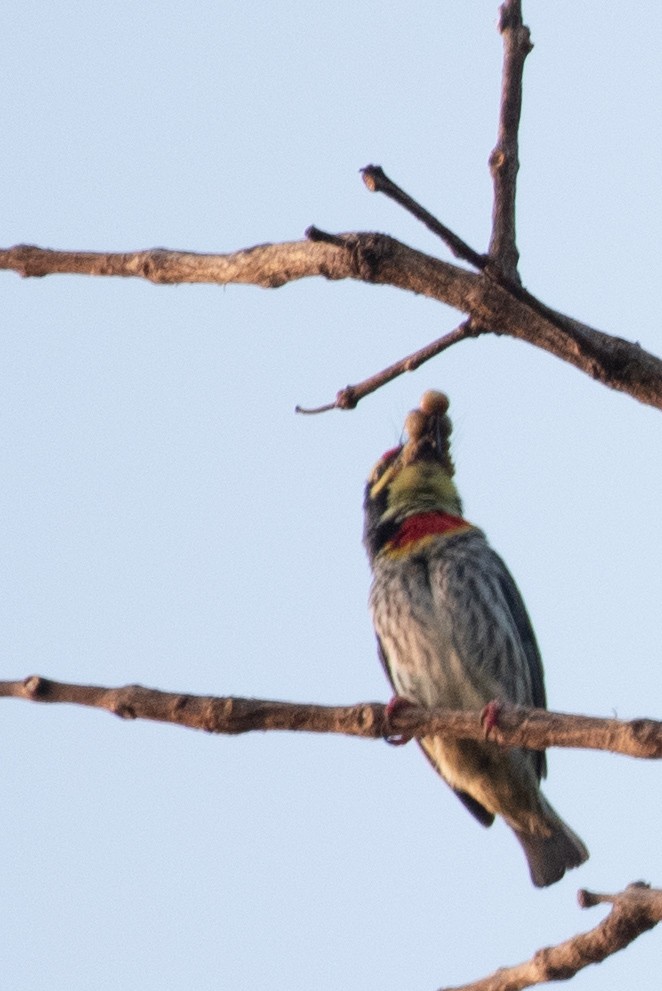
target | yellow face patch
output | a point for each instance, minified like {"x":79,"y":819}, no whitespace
{"x":423,"y":483}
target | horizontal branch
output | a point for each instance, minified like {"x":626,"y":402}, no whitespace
{"x":634,"y":911}
{"x":536,"y":729}
{"x":267,"y":265}
{"x":375,"y":259}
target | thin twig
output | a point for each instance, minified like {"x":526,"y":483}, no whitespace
{"x":504,"y":160}
{"x":381,"y":183}
{"x":378,"y":182}
{"x":634,"y":911}
{"x":351,"y":395}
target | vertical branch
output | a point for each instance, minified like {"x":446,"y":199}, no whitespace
{"x":504,"y":160}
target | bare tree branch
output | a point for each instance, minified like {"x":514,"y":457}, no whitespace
{"x":634,"y":911}
{"x":351,"y":395}
{"x":504,"y":160}
{"x":381,"y":260}
{"x":493,"y":300}
{"x":267,"y":265}
{"x":536,"y":729}
{"x":378,"y":182}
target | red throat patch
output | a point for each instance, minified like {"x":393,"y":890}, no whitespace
{"x":416,"y":528}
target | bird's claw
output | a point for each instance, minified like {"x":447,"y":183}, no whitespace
{"x":395,"y":705}
{"x":489,"y":717}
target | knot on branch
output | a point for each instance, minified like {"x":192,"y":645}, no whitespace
{"x":510,"y":19}
{"x":347,"y":398}
{"x":369,"y":254}
{"x":366,"y":252}
{"x":30,"y":261}
{"x":156,"y":265}
{"x":125,"y":711}
{"x":646,"y":737}
{"x":545,"y":962}
{"x":36,"y":687}
{"x":219,"y":715}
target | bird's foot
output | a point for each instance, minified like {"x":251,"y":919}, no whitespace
{"x":489,"y":717}
{"x":396,"y":704}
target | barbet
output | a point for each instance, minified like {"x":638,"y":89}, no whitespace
{"x":453,"y":632}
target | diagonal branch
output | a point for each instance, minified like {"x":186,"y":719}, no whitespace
{"x":634,"y":911}
{"x":516,"y":726}
{"x":351,"y":395}
{"x":377,"y":181}
{"x":503,"y":255}
{"x":504,"y":160}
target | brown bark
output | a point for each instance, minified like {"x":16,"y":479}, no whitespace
{"x":504,"y":160}
{"x":634,"y":911}
{"x":380,"y":260}
{"x":536,"y":729}
{"x":493,"y":301}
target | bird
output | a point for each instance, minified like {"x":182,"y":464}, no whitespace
{"x":453,"y":632}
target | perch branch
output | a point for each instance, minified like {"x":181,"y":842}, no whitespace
{"x":504,"y":160}
{"x":516,"y":726}
{"x":634,"y":911}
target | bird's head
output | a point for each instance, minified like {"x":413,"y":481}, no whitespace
{"x":414,"y":478}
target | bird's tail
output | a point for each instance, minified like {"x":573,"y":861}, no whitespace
{"x":551,"y":855}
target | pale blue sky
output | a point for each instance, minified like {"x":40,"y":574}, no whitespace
{"x":170,"y":521}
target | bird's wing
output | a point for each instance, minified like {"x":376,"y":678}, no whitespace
{"x":492,"y":631}
{"x":527,"y":637}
